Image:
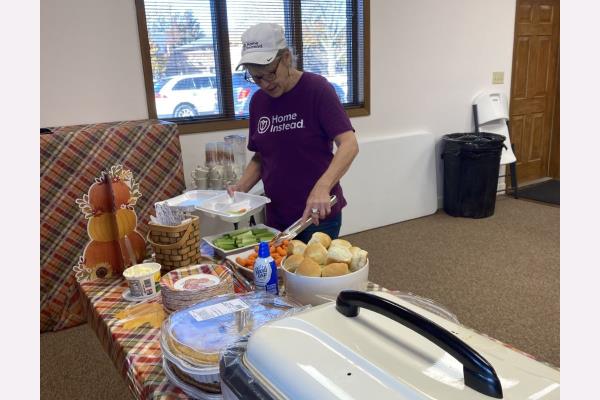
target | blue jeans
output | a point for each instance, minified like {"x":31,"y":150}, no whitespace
{"x":330,"y":226}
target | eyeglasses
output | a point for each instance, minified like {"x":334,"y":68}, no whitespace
{"x":267,"y":77}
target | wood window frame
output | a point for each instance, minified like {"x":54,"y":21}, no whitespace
{"x":196,"y":126}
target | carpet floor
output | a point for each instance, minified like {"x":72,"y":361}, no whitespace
{"x":498,"y":275}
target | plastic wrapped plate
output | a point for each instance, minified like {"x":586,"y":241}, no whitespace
{"x":198,"y":334}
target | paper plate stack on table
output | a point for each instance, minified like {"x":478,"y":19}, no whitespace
{"x":193,"y":339}
{"x":316,"y":272}
{"x":184,"y":287}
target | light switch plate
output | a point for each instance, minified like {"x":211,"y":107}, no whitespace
{"x":498,"y":78}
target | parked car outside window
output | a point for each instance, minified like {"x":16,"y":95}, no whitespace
{"x":184,"y":96}
{"x":242,"y":93}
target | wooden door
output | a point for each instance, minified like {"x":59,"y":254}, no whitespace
{"x":534,"y":86}
{"x":554,"y":168}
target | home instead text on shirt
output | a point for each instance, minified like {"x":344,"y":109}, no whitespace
{"x":279,"y":123}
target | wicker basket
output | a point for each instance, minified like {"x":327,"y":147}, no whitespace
{"x":175,"y":246}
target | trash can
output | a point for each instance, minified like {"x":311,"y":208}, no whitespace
{"x":471,"y":166}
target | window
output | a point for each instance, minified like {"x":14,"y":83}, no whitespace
{"x":190,"y":49}
{"x":205,"y":82}
{"x":184,"y":84}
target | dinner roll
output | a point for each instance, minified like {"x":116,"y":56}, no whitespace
{"x":359,"y":258}
{"x":296,"y":247}
{"x":334,"y":269}
{"x":320,"y":237}
{"x":292,"y":262}
{"x":340,"y":242}
{"x":308,"y":268}
{"x":338,"y":254}
{"x":317,"y":252}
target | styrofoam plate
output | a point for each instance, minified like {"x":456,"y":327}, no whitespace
{"x":233,"y":210}
{"x":189,"y":200}
{"x":225,"y":253}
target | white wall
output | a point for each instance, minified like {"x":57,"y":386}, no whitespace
{"x":429,"y":58}
{"x":90,"y":62}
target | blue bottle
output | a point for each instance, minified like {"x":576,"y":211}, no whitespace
{"x":265,"y":271}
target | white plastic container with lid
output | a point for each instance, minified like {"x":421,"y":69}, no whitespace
{"x":378,"y":346}
{"x":189,"y":200}
{"x":242,"y":206}
{"x":142,"y":280}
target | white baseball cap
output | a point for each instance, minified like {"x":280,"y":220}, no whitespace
{"x":261,"y":42}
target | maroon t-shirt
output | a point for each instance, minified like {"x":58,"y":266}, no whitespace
{"x":294,"y":136}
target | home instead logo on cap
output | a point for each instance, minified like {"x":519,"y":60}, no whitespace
{"x":252,"y":45}
{"x":260,"y":44}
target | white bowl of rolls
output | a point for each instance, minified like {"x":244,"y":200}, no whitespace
{"x":316,"y":272}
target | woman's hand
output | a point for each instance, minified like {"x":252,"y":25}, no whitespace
{"x":249,"y":179}
{"x":317,"y":204}
{"x":231,"y":189}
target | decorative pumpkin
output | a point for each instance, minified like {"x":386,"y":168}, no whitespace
{"x":126,"y":221}
{"x":102,"y":227}
{"x":103,"y":258}
{"x":139,"y":245}
{"x":106,"y":255}
{"x":99,"y":195}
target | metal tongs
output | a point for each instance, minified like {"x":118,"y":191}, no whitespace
{"x":238,"y":276}
{"x":297,"y":227}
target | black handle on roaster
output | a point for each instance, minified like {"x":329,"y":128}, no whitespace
{"x":478,"y":372}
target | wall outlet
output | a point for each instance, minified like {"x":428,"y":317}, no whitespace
{"x":498,"y":78}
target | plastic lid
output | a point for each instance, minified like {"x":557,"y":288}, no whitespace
{"x":263,"y":250}
{"x":199,"y":334}
{"x":471,"y":141}
{"x":483,"y":137}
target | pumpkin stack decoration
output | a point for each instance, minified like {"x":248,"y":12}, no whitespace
{"x":111,"y":225}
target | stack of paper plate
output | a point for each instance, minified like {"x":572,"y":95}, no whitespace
{"x":184,"y":287}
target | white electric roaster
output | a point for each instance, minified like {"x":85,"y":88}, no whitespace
{"x":392,"y":349}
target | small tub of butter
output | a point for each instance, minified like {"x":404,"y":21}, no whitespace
{"x":143,"y":280}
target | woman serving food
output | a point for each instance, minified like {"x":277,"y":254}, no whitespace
{"x":295,"y":118}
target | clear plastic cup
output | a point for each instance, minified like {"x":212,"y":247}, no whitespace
{"x":210,"y":154}
{"x":221,"y":153}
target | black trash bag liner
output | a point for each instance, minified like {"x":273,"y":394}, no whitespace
{"x":471,"y":167}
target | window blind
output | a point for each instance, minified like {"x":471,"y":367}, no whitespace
{"x":193,"y":46}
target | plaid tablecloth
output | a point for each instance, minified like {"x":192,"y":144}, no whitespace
{"x":135,"y":353}
{"x":70,"y":159}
